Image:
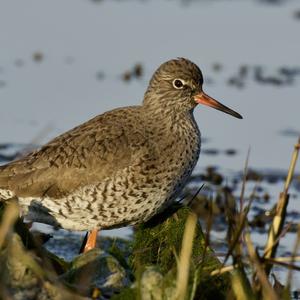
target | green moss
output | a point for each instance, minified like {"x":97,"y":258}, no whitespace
{"x":211,"y":288}
{"x":126,"y":294}
{"x":116,"y":252}
{"x":160,"y":245}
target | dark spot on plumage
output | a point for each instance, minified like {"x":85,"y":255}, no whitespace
{"x":89,"y":206}
{"x":132,"y":194}
{"x":113,"y":215}
{"x":114,"y":189}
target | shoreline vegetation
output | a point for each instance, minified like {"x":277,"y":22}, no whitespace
{"x":169,"y":257}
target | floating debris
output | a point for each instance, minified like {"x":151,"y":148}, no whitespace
{"x":235,"y":81}
{"x":243,"y":71}
{"x":217,"y":67}
{"x":69,"y":60}
{"x":266,"y":197}
{"x":230,"y":152}
{"x":126,"y":76}
{"x":136,"y":72}
{"x":283,"y":76}
{"x":260,"y":77}
{"x":37,"y":56}
{"x":253,"y":176}
{"x":100,"y":75}
{"x":238,"y":80}
{"x":213,"y":176}
{"x":211,"y":151}
{"x":19,"y":62}
{"x":297,"y":14}
{"x":290,"y":132}
{"x":2,"y":83}
{"x":262,"y":218}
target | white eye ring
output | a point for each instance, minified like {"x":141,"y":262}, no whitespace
{"x":178,"y":84}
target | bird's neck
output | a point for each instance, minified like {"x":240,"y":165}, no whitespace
{"x":167,"y":123}
{"x":165,"y":112}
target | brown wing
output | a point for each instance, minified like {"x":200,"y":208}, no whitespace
{"x":86,"y":154}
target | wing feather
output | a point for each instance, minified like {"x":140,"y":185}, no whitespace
{"x":88,"y":153}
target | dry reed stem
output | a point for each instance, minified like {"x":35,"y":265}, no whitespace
{"x":276,"y":226}
{"x":278,"y":220}
{"x":194,"y":286}
{"x":239,"y":288}
{"x":10,"y":215}
{"x":278,"y":260}
{"x":223,"y":270}
{"x":292,"y":166}
{"x":286,"y":259}
{"x":281,"y":235}
{"x":185,"y":257}
{"x":282,"y":264}
{"x":242,"y":216}
{"x":207,"y":233}
{"x":267,"y":290}
{"x":16,"y":250}
{"x":294,"y":253}
{"x":237,"y":235}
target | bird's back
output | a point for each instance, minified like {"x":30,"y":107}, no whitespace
{"x":87,"y":153}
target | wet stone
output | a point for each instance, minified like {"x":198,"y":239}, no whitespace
{"x":96,"y":269}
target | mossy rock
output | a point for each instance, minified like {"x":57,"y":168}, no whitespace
{"x":24,"y":277}
{"x":96,"y":269}
{"x":157,"y":247}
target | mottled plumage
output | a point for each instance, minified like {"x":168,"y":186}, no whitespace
{"x":119,"y":168}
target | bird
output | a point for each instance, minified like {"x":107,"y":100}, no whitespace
{"x":121,"y":167}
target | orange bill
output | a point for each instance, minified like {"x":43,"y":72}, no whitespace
{"x":202,"y":98}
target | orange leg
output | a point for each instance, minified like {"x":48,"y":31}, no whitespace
{"x":91,"y":241}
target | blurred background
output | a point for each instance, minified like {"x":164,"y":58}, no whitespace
{"x":63,"y":62}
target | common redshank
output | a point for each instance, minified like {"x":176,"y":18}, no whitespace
{"x":119,"y":168}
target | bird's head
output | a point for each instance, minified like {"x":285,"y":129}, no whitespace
{"x":177,"y":85}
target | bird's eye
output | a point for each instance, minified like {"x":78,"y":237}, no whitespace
{"x":178,"y":83}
